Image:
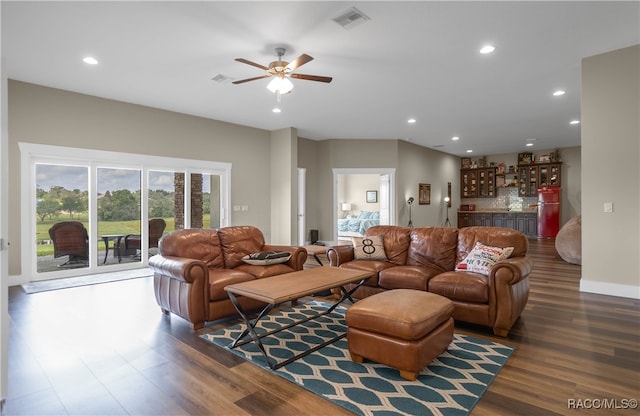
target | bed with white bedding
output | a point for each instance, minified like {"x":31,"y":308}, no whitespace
{"x":355,"y":227}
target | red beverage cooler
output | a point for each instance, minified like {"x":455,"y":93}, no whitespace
{"x":548,"y":212}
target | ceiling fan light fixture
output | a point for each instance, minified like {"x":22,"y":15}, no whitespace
{"x":280,"y":85}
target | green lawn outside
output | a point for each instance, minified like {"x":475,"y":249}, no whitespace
{"x":104,"y":227}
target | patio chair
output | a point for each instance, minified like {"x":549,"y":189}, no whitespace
{"x":70,"y":238}
{"x":132,"y":242}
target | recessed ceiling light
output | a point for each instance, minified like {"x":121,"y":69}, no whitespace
{"x":558,"y":93}
{"x":469,"y":151}
{"x":276,"y":110}
{"x":411,"y":121}
{"x":529,"y":144}
{"x":487,"y":49}
{"x":455,"y":138}
{"x":574,"y":122}
{"x":90,"y":60}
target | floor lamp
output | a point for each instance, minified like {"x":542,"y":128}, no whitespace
{"x":447,"y":223}
{"x":410,"y":201}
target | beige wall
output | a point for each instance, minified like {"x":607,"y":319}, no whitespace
{"x":611,"y":155}
{"x":352,"y":188}
{"x":55,"y":117}
{"x":310,"y":159}
{"x":321,"y":157}
{"x":284,"y":191}
{"x":413,"y":164}
{"x":417,"y":164}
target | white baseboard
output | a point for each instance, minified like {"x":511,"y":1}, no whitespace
{"x":16,"y":280}
{"x":611,"y":289}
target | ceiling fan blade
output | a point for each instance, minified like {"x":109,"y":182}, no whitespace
{"x":299,"y":61}
{"x":311,"y":77}
{"x":251,"y":79}
{"x":246,"y":61}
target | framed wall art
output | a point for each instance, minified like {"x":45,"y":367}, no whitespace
{"x":424,"y":194}
{"x":372,"y":196}
{"x":525,"y":158}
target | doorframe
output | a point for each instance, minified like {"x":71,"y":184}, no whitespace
{"x":302,"y":207}
{"x":4,"y":236}
{"x":369,"y":171}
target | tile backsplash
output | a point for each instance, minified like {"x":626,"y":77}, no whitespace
{"x":507,"y":198}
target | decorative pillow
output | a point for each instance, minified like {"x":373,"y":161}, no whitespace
{"x":369,"y":248}
{"x":265,"y":258}
{"x":482,"y":258}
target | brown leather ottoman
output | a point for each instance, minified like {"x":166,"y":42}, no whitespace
{"x":402,"y":328}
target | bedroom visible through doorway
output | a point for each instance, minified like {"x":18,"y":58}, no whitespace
{"x":362,"y":199}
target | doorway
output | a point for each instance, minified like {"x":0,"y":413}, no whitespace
{"x":362,"y":193}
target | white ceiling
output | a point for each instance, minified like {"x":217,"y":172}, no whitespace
{"x":411,"y":59}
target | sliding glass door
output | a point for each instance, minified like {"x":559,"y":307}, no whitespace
{"x":62,"y":216}
{"x":119,"y":215}
{"x":205,"y":208}
{"x":91,"y":211}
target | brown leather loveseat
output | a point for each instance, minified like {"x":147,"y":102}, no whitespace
{"x":426,"y":259}
{"x":194,"y":265}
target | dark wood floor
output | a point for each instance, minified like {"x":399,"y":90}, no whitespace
{"x":107,"y":349}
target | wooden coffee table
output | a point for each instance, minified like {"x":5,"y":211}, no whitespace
{"x":288,"y":287}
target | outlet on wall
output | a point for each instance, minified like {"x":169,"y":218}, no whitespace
{"x":608,"y":207}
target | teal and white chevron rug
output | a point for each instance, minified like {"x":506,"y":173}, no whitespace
{"x":451,"y":385}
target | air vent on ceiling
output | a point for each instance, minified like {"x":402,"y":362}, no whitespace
{"x":437,"y":146}
{"x":220,"y":78}
{"x":351,"y":18}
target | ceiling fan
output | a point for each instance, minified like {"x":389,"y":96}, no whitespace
{"x":282,"y":70}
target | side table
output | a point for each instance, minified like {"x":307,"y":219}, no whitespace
{"x":116,"y":238}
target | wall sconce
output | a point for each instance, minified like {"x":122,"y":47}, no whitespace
{"x":410,"y":202}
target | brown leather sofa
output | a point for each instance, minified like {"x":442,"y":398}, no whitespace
{"x":194,"y":265}
{"x":425,"y":259}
